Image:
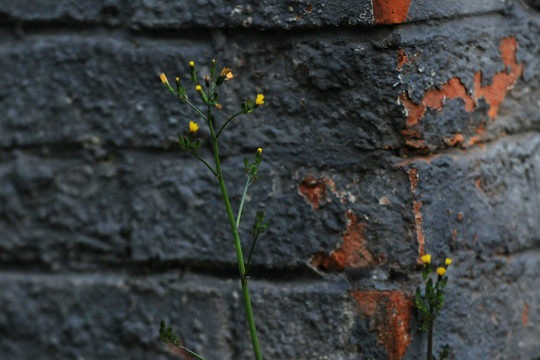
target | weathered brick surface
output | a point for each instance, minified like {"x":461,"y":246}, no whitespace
{"x":104,"y":315}
{"x":476,"y":204}
{"x":496,"y":315}
{"x":273,"y":14}
{"x":70,"y":11}
{"x":381,"y":143}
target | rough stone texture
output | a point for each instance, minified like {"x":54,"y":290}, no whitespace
{"x":390,"y":129}
{"x":263,"y":15}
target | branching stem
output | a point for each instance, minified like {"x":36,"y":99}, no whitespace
{"x":248,"y":182}
{"x":227,"y":123}
{"x":237,"y":243}
{"x":207,"y":164}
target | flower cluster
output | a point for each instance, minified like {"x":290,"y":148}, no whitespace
{"x":211,"y":97}
{"x":211,"y":82}
{"x":431,"y":299}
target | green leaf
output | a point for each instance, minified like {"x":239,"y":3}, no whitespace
{"x":259,"y":225}
{"x":445,"y":352}
{"x":429,"y":287}
{"x":444,"y":280}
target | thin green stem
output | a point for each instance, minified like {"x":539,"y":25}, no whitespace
{"x":242,"y":202}
{"x":227,"y":123}
{"x":196,"y":110}
{"x":207,"y":164}
{"x":248,"y":264}
{"x":238,"y":245}
{"x":190,"y":352}
{"x":430,"y":339}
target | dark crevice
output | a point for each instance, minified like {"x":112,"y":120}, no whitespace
{"x":223,"y":271}
{"x":63,"y":27}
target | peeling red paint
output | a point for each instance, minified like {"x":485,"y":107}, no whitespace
{"x":401,"y":59}
{"x":493,"y":94}
{"x":525,"y":314}
{"x":314,"y":190}
{"x":413,"y":177}
{"x":352,"y":253}
{"x":392,"y":313}
{"x":478,"y":183}
{"x":390,"y":11}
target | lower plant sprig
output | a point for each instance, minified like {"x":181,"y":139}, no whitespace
{"x":429,"y":301}
{"x":168,"y":337}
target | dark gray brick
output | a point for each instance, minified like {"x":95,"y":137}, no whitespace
{"x":295,"y":14}
{"x":490,"y":309}
{"x":71,"y":11}
{"x":111,"y":316}
{"x":484,"y":200}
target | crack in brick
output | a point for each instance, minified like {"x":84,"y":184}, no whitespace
{"x":391,"y":311}
{"x":525,"y":314}
{"x":417,"y":206}
{"x":493,"y":94}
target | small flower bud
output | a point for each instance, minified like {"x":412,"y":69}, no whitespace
{"x":164,"y":78}
{"x":219,"y":107}
{"x":166,"y":82}
{"x":259,"y":151}
{"x":447,"y":261}
{"x":193,"y":71}
{"x":259,"y":100}
{"x":207,"y":81}
{"x":212,"y":69}
{"x":193,"y":127}
{"x":198,"y":88}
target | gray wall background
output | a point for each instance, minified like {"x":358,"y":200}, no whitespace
{"x":106,"y":227}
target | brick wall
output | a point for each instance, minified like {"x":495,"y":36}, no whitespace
{"x":390,"y":129}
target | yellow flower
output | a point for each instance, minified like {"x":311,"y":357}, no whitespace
{"x":226,"y":73}
{"x":198,"y":88}
{"x":191,"y":64}
{"x":447,"y":261}
{"x":426,"y":258}
{"x":164,"y":78}
{"x":260,"y":99}
{"x":441,"y":271}
{"x":193,"y":127}
{"x":259,"y":151}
